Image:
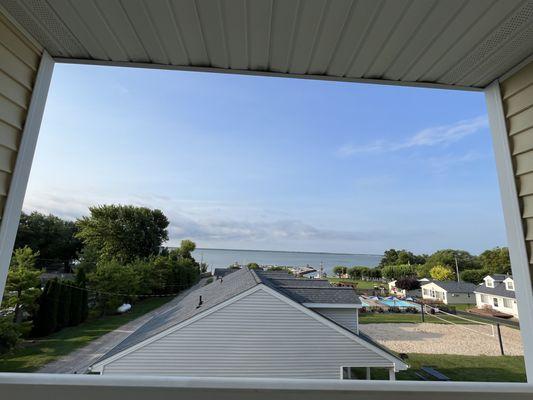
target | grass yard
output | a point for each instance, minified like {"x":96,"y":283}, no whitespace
{"x":468,"y":368}
{"x":393,"y":318}
{"x":360,"y":284}
{"x":33,"y":355}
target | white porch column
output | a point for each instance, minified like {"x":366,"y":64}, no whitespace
{"x":513,"y":220}
{"x":392,"y":374}
{"x":368,"y":376}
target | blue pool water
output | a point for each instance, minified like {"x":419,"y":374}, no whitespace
{"x":399,"y":303}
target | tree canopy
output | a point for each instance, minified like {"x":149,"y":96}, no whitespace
{"x":447,"y":257}
{"x":52,"y":237}
{"x":401,"y":257}
{"x":442,"y":273}
{"x":398,"y":271}
{"x":496,"y":260}
{"x":123,"y":232}
{"x":407,"y":283}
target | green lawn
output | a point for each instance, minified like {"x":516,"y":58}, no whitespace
{"x":468,"y":368}
{"x":390,"y":318}
{"x":360,"y":284}
{"x":32,"y":356}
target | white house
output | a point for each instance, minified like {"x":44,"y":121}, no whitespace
{"x":254,"y":324}
{"x":406,"y":293}
{"x":497,"y":292}
{"x":449,"y":292}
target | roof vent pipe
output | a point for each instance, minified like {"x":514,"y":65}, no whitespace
{"x":200,"y":302}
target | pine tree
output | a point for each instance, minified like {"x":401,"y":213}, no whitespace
{"x":45,"y":321}
{"x":75,"y":306}
{"x":63,"y":311}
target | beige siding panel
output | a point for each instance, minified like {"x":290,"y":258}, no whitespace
{"x":13,"y":90}
{"x":519,"y":102}
{"x":19,"y":61}
{"x":522,"y":142}
{"x":521,"y":121}
{"x":7,"y":159}
{"x":258,"y":335}
{"x":11,"y":113}
{"x":5,"y":179}
{"x":524,"y":163}
{"x":528,"y":206}
{"x":18,"y":46}
{"x":525,"y":184}
{"x":517,"y":82}
{"x":517,"y":92}
{"x":9,"y":136}
{"x":15,"y":68}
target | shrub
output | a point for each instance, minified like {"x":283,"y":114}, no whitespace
{"x":45,"y":320}
{"x":63,"y":310}
{"x":407,"y":283}
{"x":9,"y":334}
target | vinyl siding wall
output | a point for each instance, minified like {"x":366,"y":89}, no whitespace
{"x":517,"y":98}
{"x":256,"y":336}
{"x":19,"y":61}
{"x":489,"y":303}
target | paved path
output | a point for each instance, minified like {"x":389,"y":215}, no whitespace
{"x":79,"y":360}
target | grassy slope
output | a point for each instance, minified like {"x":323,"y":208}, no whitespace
{"x":468,"y":368}
{"x":33,"y":356}
{"x":387,"y":318}
{"x":360,"y":284}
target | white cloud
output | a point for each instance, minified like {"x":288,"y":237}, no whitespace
{"x":210,"y":223}
{"x":434,"y":136}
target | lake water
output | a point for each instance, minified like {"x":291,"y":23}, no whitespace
{"x":221,"y":258}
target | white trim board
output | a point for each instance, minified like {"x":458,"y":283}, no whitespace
{"x":127,"y":64}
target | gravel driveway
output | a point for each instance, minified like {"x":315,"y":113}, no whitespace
{"x":429,"y":338}
{"x":78,"y":361}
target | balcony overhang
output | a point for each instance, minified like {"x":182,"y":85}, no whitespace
{"x":444,"y":43}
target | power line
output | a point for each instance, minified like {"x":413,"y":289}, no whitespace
{"x":122,"y":294}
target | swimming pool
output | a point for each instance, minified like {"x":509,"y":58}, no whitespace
{"x":399,"y":303}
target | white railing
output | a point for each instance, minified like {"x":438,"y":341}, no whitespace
{"x":84,"y":387}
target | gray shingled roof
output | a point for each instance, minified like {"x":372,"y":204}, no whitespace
{"x":305,"y":290}
{"x":455,"y":287}
{"x":301,"y":290}
{"x":212,"y":294}
{"x":221,"y":272}
{"x":498,"y":290}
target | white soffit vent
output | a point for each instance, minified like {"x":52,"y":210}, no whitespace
{"x":462,"y":43}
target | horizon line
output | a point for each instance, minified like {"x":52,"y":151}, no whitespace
{"x":288,"y":251}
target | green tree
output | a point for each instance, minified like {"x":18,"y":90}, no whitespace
{"x":76,"y":297}
{"x":124,"y":233}
{"x":442,"y":273}
{"x":186,"y":248}
{"x":447,"y":257}
{"x":10,"y":334}
{"x":81,"y":283}
{"x":253,"y":265}
{"x":51,"y":237}
{"x":45,"y":320}
{"x":340,"y":270}
{"x":401,"y":257}
{"x":393,"y":272}
{"x":423,"y":271}
{"x":474,"y":275}
{"x":407,"y":283}
{"x":496,"y":260}
{"x":22,"y":285}
{"x":63,"y":311}
{"x":114,"y":284}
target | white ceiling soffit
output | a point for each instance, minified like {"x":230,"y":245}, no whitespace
{"x":464,"y":43}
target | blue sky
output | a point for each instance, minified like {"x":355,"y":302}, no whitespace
{"x":272,"y":163}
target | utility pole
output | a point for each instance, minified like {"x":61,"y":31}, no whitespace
{"x":457,"y":269}
{"x":500,"y":338}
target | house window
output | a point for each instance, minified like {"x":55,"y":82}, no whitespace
{"x":425,"y":292}
{"x":484,"y":298}
{"x":489,"y":283}
{"x":510,"y":285}
{"x":507,"y":303}
{"x":495,"y":301}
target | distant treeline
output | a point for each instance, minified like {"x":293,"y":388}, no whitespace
{"x":441,"y":265}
